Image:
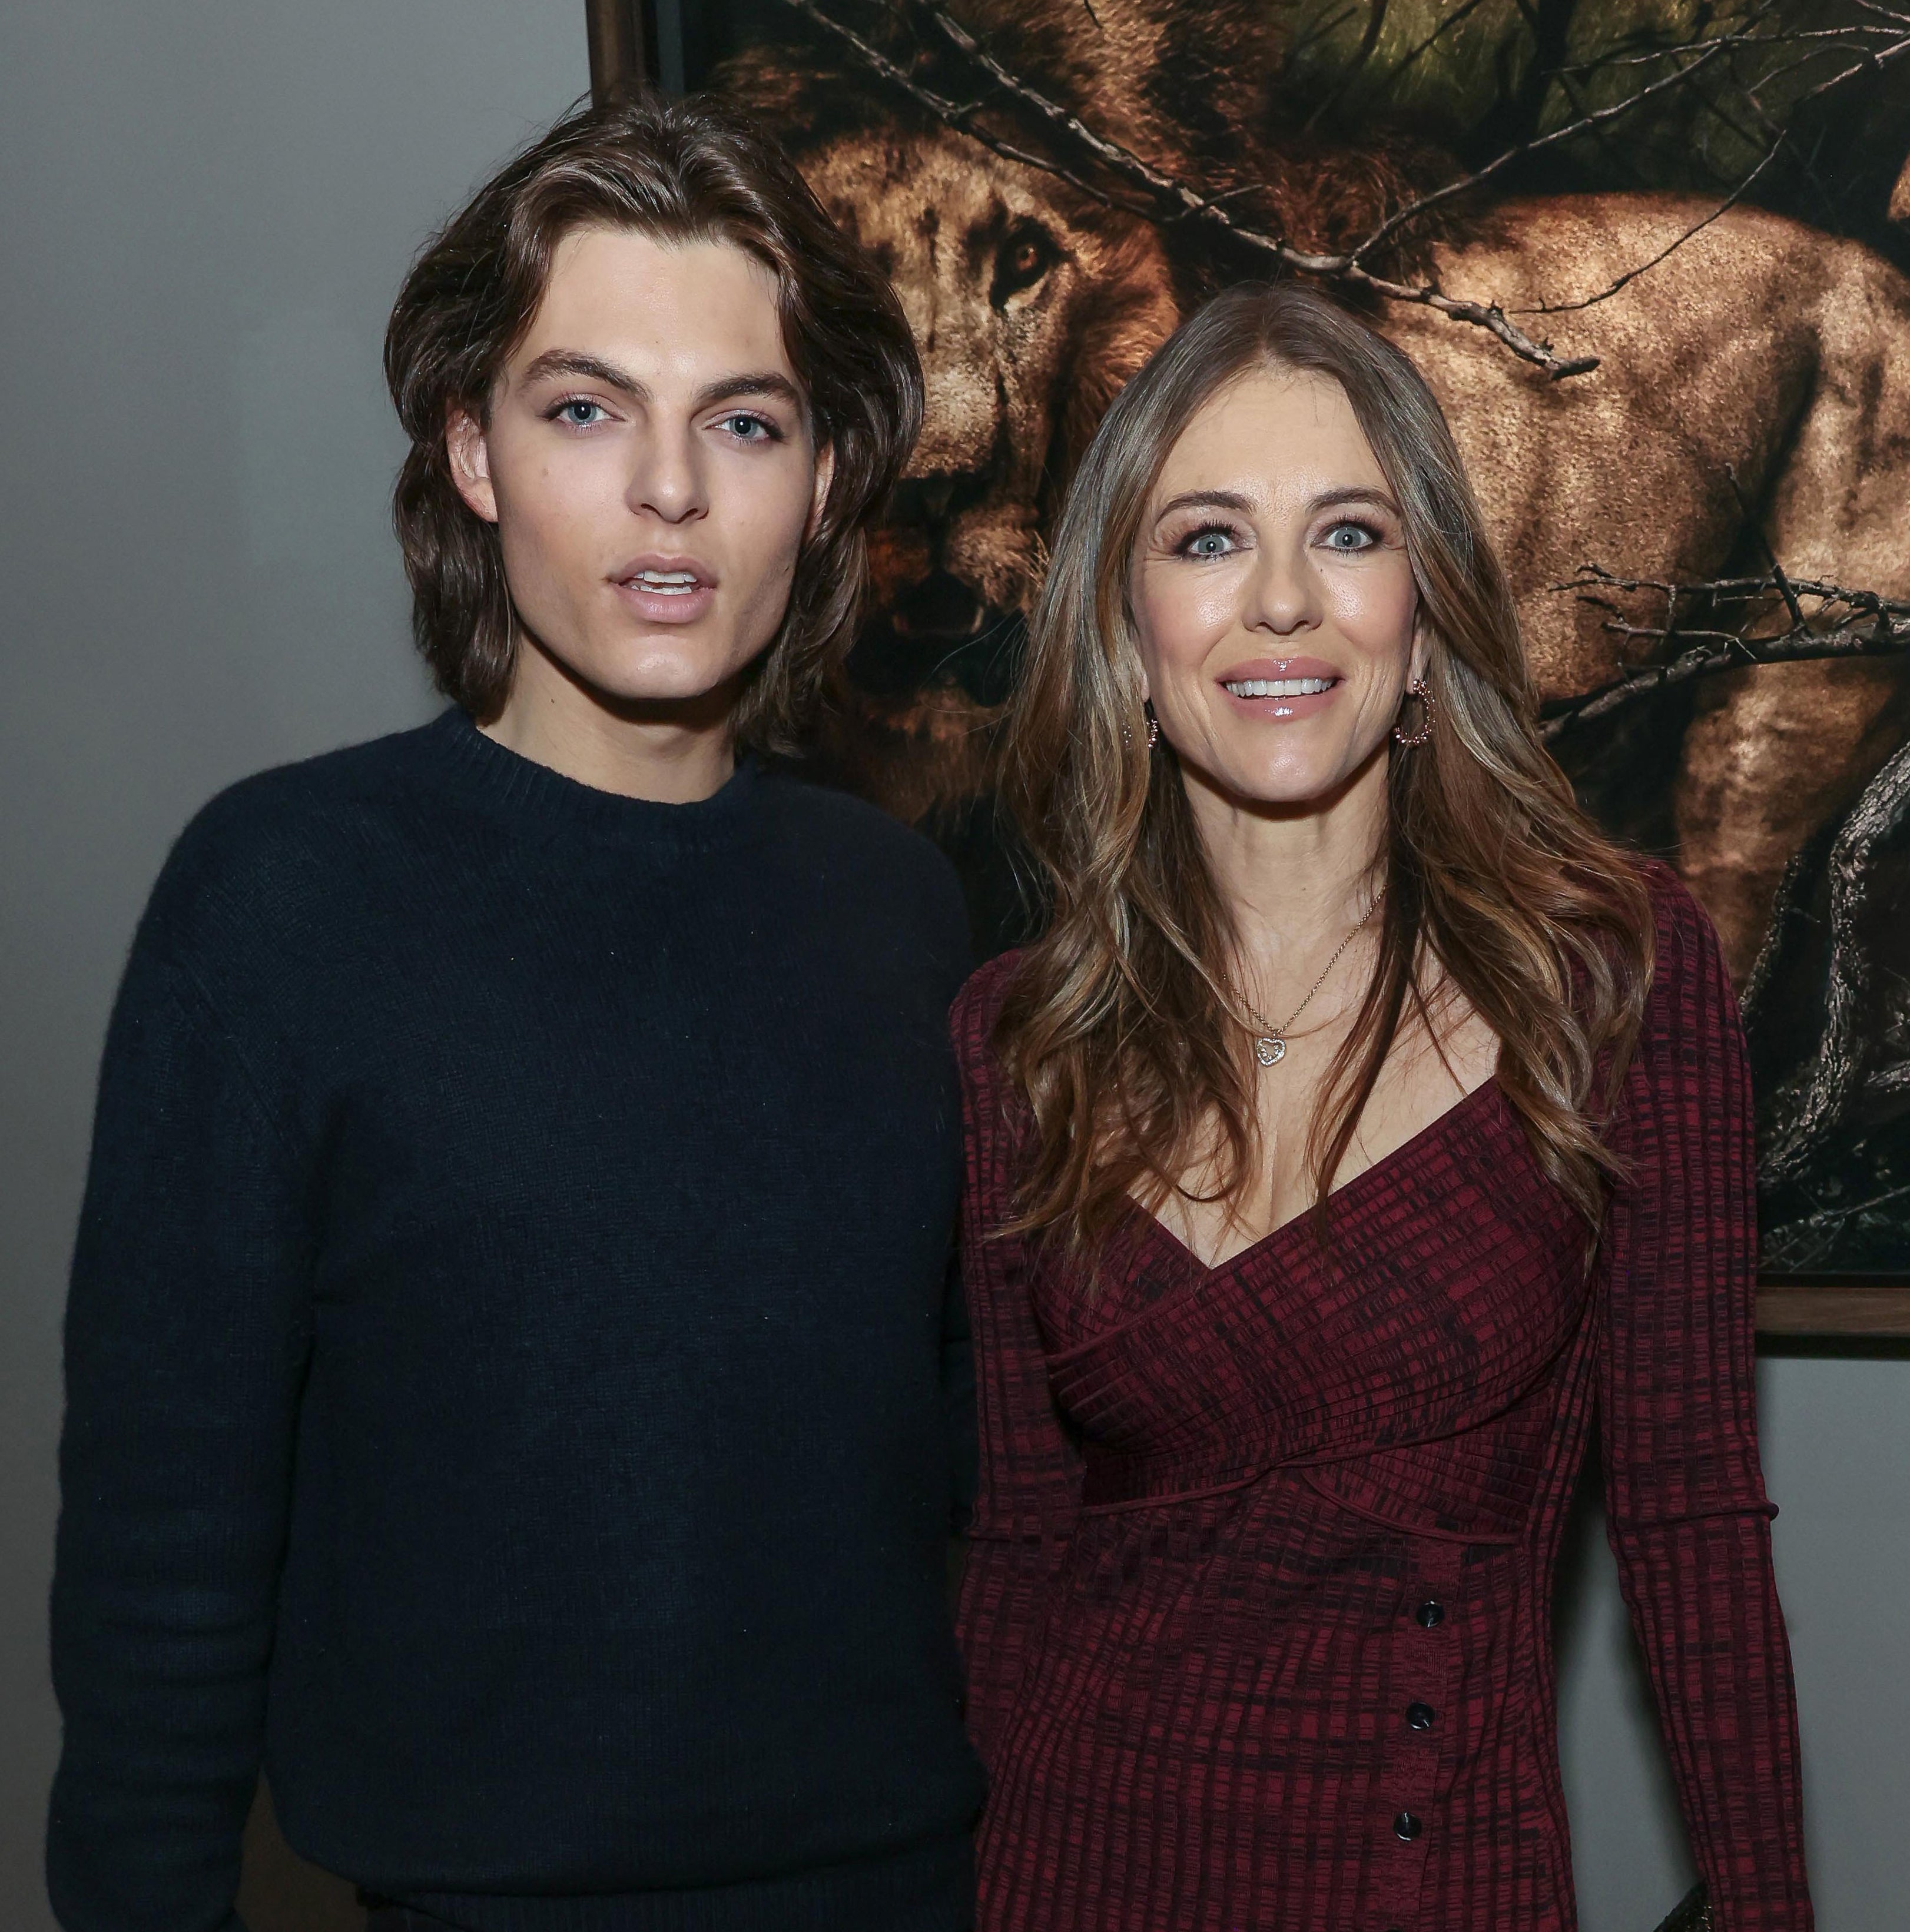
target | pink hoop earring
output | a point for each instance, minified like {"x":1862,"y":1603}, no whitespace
{"x":1418,"y":688}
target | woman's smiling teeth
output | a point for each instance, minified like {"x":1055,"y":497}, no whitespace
{"x":1279,"y":687}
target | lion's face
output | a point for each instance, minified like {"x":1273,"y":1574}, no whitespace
{"x":1031,"y":306}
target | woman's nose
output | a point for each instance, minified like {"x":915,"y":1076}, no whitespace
{"x":1281,"y":596}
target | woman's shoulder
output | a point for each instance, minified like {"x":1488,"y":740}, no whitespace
{"x":1691,"y":1007}
{"x":972,"y":1019}
{"x":1686,"y":952}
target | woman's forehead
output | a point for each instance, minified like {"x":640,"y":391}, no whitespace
{"x":1273,"y":429}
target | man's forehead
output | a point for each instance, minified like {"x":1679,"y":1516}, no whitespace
{"x":626,"y":295}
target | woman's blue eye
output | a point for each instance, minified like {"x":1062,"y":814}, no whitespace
{"x":1208,"y":543}
{"x":1352,"y":537}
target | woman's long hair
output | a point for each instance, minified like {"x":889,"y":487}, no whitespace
{"x":1116,"y":1027}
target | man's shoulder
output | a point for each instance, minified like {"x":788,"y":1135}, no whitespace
{"x":905,"y":872}
{"x":277,"y":843}
{"x":825,"y":813}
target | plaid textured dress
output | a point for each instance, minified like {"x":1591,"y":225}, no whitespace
{"x":1257,"y":1610}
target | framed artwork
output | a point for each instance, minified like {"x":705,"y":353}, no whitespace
{"x":1654,"y":258}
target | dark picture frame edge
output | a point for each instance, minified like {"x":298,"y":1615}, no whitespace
{"x":632,"y":41}
{"x":621,"y":34}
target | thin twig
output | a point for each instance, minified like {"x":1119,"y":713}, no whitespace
{"x":963,"y":118}
{"x":1585,"y":124}
{"x":1847,"y":624}
{"x":1182,"y":204}
{"x":1670,"y":249}
{"x":1171,"y":202}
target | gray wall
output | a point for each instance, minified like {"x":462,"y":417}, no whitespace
{"x":207,"y":209}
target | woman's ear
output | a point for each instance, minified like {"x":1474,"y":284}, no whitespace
{"x":469,"y":456}
{"x":825,"y":474}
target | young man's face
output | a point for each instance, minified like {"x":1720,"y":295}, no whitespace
{"x":650,"y":466}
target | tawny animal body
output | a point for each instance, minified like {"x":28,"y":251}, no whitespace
{"x":1759,"y":350}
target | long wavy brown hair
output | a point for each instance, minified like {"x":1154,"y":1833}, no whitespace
{"x":1116,"y":1026}
{"x":678,"y":171}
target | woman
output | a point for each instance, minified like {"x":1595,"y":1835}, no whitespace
{"x":1363,"y":1123}
{"x":507,"y":1387}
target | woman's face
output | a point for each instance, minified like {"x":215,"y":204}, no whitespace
{"x":1273,"y":596}
{"x":649,"y":463}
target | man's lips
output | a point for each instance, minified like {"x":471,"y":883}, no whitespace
{"x":666,"y":590}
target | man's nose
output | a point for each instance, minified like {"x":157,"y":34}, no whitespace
{"x":668,"y":479}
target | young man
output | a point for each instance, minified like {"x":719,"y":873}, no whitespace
{"x":510,"y":1393}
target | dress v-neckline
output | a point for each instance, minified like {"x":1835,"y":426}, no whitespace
{"x":1392,"y":1157}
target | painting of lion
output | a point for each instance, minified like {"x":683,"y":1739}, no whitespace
{"x":1751,"y":398}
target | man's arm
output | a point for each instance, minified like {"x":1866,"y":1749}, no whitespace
{"x":186,"y":1335}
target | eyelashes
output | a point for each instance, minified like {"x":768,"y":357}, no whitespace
{"x":1223,"y":533}
{"x":1226,"y":540}
{"x":561,"y":410}
{"x":771,"y":432}
{"x":741,"y":425}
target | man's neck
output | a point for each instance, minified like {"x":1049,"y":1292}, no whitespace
{"x":673,"y":752}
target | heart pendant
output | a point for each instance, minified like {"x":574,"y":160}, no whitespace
{"x":1269,"y":1049}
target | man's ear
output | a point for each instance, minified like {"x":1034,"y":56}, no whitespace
{"x":825,"y":474}
{"x":470,"y":455}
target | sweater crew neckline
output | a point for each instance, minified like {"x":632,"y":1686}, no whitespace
{"x":534,"y":797}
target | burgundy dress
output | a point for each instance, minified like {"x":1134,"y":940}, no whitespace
{"x":1258,"y":1612}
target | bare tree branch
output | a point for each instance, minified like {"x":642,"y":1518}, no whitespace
{"x":1178,"y":203}
{"x":1568,"y":131}
{"x":963,"y":117}
{"x":1843,"y":623}
{"x":1162,"y":198}
{"x":1670,"y":249}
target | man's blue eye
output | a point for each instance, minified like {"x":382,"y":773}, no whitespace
{"x":752,"y":429}
{"x":579,"y":413}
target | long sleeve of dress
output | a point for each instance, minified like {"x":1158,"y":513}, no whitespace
{"x":186,"y":1335}
{"x":1030,"y":1469}
{"x":1687,"y":1516}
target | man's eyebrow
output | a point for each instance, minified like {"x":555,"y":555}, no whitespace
{"x":587,"y":368}
{"x":762,"y":382}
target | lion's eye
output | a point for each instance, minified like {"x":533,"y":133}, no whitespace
{"x":1027,"y":253}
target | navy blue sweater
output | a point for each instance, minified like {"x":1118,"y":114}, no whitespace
{"x":511,"y":1385}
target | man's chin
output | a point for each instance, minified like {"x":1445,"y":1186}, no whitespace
{"x":692,"y":683}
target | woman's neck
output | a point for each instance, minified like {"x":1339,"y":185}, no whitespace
{"x":1294,"y":877}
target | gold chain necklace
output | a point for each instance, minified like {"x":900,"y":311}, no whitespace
{"x":1270,"y":1041}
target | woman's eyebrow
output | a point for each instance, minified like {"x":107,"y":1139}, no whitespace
{"x":1206,"y":499}
{"x":1354,"y":493}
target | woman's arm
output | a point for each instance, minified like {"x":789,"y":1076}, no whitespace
{"x":1030,"y":1472}
{"x":1686,"y":1508}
